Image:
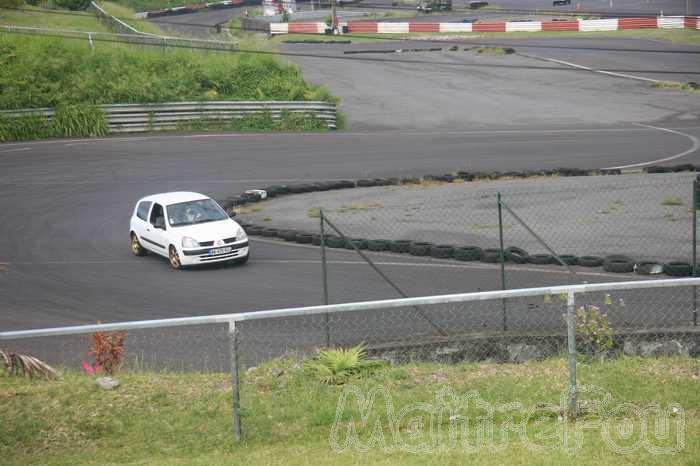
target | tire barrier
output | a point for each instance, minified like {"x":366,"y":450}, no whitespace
{"x":540,"y":259}
{"x":491,"y":255}
{"x":468,"y":253}
{"x":359,"y":243}
{"x":420,"y":248}
{"x":400,"y":245}
{"x":568,"y":259}
{"x":516,"y":255}
{"x":618,"y":264}
{"x":590,"y":261}
{"x":648,"y":268}
{"x":442,"y":251}
{"x":378,"y":245}
{"x":678,"y":269}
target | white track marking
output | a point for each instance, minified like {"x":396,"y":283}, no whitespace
{"x":694,"y":148}
{"x":16,"y":150}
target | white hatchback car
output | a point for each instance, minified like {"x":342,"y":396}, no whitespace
{"x":188,"y":229}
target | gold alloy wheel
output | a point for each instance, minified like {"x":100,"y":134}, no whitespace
{"x":136,"y":247}
{"x":174,"y":258}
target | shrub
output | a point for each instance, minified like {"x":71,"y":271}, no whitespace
{"x":11,"y":3}
{"x":73,"y":4}
{"x":35,"y":126}
{"x":337,"y":366}
{"x":108,"y":351}
{"x":28,"y":366}
{"x":593,"y":331}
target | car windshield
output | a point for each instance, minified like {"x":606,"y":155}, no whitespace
{"x":193,"y":212}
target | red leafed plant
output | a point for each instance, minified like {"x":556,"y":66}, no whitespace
{"x":108,"y":350}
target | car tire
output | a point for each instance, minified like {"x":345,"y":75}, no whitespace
{"x":136,"y":247}
{"x":335,"y":242}
{"x":359,"y":243}
{"x":568,"y":259}
{"x":269,"y":232}
{"x":648,"y":268}
{"x":174,"y":258}
{"x":304,"y":238}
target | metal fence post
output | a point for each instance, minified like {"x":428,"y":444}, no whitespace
{"x":235,"y":381}
{"x":571,"y":339}
{"x":503,"y":261}
{"x":324,"y":268}
{"x":695,"y":248}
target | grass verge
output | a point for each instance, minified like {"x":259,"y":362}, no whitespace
{"x":288,"y":418}
{"x":667,"y":85}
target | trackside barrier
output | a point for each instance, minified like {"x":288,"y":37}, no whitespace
{"x":582,"y":25}
{"x":568,"y":294}
{"x":136,"y":118}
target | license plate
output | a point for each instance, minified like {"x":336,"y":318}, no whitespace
{"x":216,"y":252}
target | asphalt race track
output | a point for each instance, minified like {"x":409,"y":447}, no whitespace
{"x":65,"y":208}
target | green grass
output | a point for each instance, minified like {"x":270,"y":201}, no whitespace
{"x":672,"y":201}
{"x":56,"y":19}
{"x":669,"y":85}
{"x":128,"y":15}
{"x":288,"y":418}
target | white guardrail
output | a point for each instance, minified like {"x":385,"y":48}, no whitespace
{"x":136,"y":118}
{"x":570,"y":291}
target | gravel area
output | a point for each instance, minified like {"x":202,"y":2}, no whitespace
{"x":644,"y":216}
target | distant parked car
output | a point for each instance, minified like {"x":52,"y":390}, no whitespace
{"x":561,"y":2}
{"x":187,"y":228}
{"x":475,"y":5}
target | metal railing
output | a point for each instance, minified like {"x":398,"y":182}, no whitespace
{"x":234,"y":321}
{"x":135,"y":38}
{"x":135,"y":118}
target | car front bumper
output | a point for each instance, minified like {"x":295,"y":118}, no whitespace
{"x":202,"y":256}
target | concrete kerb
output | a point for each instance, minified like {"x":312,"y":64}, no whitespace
{"x":233,"y":203}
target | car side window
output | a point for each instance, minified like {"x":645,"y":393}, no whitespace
{"x":157,"y":216}
{"x":142,"y":211}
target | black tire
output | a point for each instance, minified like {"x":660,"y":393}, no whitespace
{"x":590,"y":261}
{"x":468,"y":253}
{"x":316,"y":239}
{"x":359,"y":243}
{"x":365,"y":183}
{"x":618,"y":264}
{"x":568,"y":259}
{"x":136,"y":248}
{"x":254,"y":230}
{"x":648,"y":268}
{"x":420,"y":248}
{"x":516,"y":255}
{"x":656,"y":169}
{"x":678,"y":269}
{"x":269,"y":232}
{"x":442,"y":251}
{"x":346,"y":184}
{"x":378,"y":244}
{"x":335,"y":242}
{"x":491,"y":255}
{"x":290,"y":235}
{"x":297,"y":188}
{"x":304,"y":238}
{"x":174,"y":258}
{"x":540,"y":259}
{"x":400,"y":245}
{"x":685,"y":167}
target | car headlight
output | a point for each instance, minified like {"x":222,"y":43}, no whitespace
{"x":188,"y":242}
{"x":241,"y":235}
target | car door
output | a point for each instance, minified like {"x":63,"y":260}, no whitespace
{"x":154,"y":238}
{"x":139,"y":221}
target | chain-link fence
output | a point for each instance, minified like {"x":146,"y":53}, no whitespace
{"x":593,"y":321}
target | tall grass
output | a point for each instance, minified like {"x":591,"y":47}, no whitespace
{"x":44,"y":72}
{"x":68,"y":121}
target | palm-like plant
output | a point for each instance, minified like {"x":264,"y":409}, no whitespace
{"x":29,"y":366}
{"x":337,"y":366}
